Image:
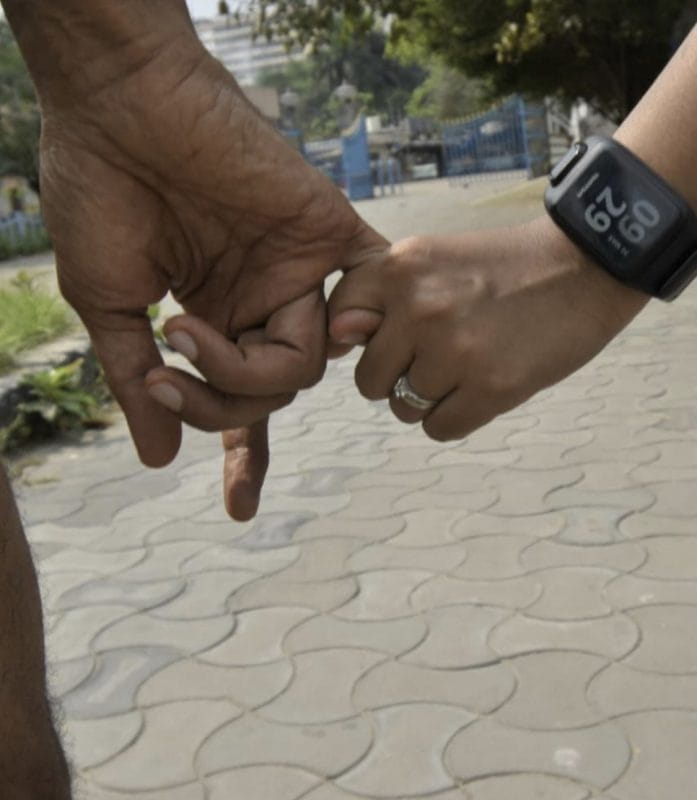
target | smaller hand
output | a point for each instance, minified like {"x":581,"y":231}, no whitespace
{"x":478,"y":322}
{"x":244,"y":381}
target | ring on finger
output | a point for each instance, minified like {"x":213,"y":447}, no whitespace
{"x":404,"y":391}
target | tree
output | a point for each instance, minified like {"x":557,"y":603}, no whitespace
{"x":606,"y":51}
{"x":385,"y":83}
{"x":20,"y":121}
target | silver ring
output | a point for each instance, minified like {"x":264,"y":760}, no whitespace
{"x":403,"y":391}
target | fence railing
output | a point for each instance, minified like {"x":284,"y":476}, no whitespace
{"x":22,"y":234}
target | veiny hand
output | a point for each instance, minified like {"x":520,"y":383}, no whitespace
{"x":167,"y":179}
{"x":478,"y":322}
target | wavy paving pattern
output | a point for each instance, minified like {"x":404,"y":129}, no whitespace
{"x":508,"y":617}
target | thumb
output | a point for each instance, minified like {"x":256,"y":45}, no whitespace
{"x":125,"y":347}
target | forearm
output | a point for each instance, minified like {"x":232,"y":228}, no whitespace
{"x":76,"y":48}
{"x":662,"y":132}
{"x":32,"y":765}
{"x":662,"y":128}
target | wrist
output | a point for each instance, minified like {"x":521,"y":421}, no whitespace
{"x":614,"y":302}
{"x":77,"y":52}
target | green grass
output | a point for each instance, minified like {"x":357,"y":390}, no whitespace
{"x":29,"y":316}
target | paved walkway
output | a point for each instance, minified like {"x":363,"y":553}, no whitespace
{"x":511,"y":617}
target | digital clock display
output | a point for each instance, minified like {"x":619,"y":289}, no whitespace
{"x":624,"y":217}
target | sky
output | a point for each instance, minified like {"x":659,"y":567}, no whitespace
{"x":204,"y":8}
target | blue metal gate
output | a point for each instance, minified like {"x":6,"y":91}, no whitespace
{"x":512,"y":136}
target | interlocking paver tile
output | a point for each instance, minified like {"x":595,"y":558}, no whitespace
{"x":513,"y":593}
{"x":92,"y":561}
{"x":267,"y":782}
{"x":55,"y":584}
{"x":598,"y":451}
{"x":56,"y":532}
{"x":264,"y":561}
{"x":629,"y":591}
{"x":322,"y":559}
{"x":406,"y":756}
{"x":391,"y":637}
{"x":637,"y":526}
{"x":613,"y":636}
{"x":477,"y":689}
{"x":589,"y":525}
{"x":464,"y":503}
{"x":179,"y":728}
{"x":410,"y":480}
{"x":620,"y":690}
{"x":670,"y":557}
{"x":623,"y":556}
{"x":64,"y":676}
{"x":460,"y":455}
{"x":87,"y":790}
{"x":368,"y":529}
{"x":204,"y":595}
{"x":276,"y":591}
{"x":675,"y":498}
{"x":113,"y":683}
{"x":525,"y":787}
{"x":564,"y":417}
{"x":550,"y":691}
{"x":595,"y":755}
{"x":427,"y":528}
{"x":323,"y":682}
{"x":631,"y":499}
{"x":383,"y":594}
{"x":257,"y":638}
{"x":94,"y":741}
{"x":111,"y":590}
{"x":458,"y":636}
{"x":437,"y":558}
{"x":75,"y":631}
{"x":248,"y":687}
{"x":161,"y":562}
{"x":330,"y":791}
{"x":543,"y":525}
{"x":188,"y":530}
{"x":571,"y":593}
{"x":667,"y":640}
{"x":143,"y":629}
{"x":526,"y":492}
{"x":326,"y":749}
{"x":493,"y":557}
{"x":663,"y":762}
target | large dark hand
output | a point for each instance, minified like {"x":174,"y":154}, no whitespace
{"x":169,"y":180}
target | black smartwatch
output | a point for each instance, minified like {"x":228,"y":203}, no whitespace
{"x":623,"y":215}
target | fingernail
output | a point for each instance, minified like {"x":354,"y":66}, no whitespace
{"x":167,"y":395}
{"x":352,"y":339}
{"x":184,"y":344}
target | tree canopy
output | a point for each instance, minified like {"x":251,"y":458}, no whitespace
{"x":19,"y":113}
{"x":606,"y":51}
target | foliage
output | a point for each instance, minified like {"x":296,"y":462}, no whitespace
{"x":385,"y":82}
{"x":29,"y":316}
{"x":61,"y":400}
{"x":20,"y":120}
{"x":446,"y":94}
{"x":606,"y":51}
{"x":36,"y":240}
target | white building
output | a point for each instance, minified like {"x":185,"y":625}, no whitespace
{"x":231,"y":42}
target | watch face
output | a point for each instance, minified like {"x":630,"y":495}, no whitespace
{"x":619,"y":213}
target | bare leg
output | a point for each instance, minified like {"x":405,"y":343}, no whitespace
{"x":32,"y":764}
